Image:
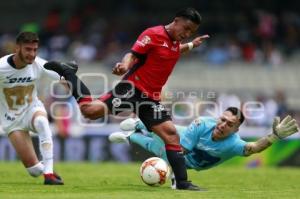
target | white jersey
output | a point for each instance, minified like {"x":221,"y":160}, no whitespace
{"x":19,"y":88}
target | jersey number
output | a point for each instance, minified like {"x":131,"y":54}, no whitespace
{"x":18,"y":96}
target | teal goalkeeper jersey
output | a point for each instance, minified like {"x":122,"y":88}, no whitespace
{"x":205,"y":153}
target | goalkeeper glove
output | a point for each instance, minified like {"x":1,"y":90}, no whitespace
{"x":283,"y":129}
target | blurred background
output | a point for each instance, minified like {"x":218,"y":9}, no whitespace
{"x":251,"y":60}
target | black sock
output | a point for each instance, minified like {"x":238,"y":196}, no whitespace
{"x":177,"y":163}
{"x":77,"y":92}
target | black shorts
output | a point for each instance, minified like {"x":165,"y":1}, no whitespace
{"x":126,"y":97}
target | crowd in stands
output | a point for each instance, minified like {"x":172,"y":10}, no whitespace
{"x":246,"y":31}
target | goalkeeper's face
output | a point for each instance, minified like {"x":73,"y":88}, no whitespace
{"x":226,"y":125}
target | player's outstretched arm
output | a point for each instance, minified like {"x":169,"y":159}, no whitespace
{"x":193,"y":44}
{"x":281,"y":130}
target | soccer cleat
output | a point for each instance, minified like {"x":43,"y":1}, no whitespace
{"x":120,"y":137}
{"x":52,"y":179}
{"x":57,"y":176}
{"x":129,"y":124}
{"x":187,"y":185}
{"x":61,"y":67}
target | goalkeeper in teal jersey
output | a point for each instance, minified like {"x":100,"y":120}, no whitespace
{"x":207,"y":142}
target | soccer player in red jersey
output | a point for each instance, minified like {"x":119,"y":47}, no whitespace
{"x":146,"y":69}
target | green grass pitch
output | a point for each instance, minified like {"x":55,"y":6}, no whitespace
{"x":122,"y":181}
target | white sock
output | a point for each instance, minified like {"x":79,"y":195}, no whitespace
{"x":41,"y":126}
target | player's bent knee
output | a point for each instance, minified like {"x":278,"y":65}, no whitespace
{"x":91,"y":115}
{"x":91,"y":112}
{"x":171,"y":131}
{"x":167,"y":132}
{"x":36,"y":170}
{"x":171,"y":136}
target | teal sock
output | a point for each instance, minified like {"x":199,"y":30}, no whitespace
{"x":152,"y":144}
{"x":140,"y":126}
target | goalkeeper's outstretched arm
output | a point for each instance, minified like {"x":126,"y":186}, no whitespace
{"x":281,"y":130}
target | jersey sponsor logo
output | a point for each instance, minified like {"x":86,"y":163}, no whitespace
{"x":18,"y":80}
{"x":8,"y":117}
{"x":144,"y":41}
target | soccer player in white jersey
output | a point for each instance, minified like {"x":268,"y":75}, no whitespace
{"x":22,"y":111}
{"x":207,"y":141}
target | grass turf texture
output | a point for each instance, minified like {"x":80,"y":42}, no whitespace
{"x":122,"y":181}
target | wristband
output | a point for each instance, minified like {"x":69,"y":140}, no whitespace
{"x":272,"y":138}
{"x":190,"y":45}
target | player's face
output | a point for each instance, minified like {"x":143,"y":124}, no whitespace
{"x":183,"y":29}
{"x":226,"y":125}
{"x":27,"y":52}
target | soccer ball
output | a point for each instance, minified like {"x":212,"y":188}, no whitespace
{"x":154,"y":171}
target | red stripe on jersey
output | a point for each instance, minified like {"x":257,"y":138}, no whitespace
{"x":84,"y":100}
{"x":104,"y":97}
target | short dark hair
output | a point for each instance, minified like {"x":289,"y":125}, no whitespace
{"x":237,"y":112}
{"x":190,"y":14}
{"x":27,"y":37}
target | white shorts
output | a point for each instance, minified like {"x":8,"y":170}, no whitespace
{"x":24,"y":122}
